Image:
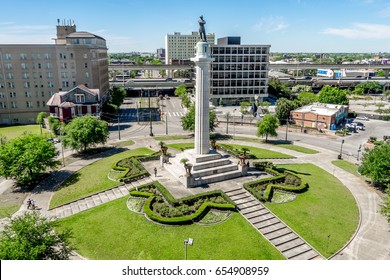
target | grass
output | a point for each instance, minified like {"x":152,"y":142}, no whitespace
{"x":123,"y":143}
{"x":92,"y":178}
{"x":326,"y":216}
{"x":181,"y":146}
{"x":172,"y":137}
{"x":260,"y":153}
{"x":15,"y":131}
{"x":112,"y":232}
{"x":298,"y":148}
{"x":8,"y":210}
{"x":347,"y":166}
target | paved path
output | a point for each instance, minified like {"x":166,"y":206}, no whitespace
{"x":371,"y":241}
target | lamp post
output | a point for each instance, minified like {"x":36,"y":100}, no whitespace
{"x":341,"y":149}
{"x":358,"y":152}
{"x":62,"y":146}
{"x":227,"y":123}
{"x":150,"y":119}
{"x":119,"y":129}
{"x":286,"y":129}
{"x":166,"y":124}
{"x":188,"y":241}
{"x":234,"y":122}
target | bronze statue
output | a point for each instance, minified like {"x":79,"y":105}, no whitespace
{"x":202,"y":31}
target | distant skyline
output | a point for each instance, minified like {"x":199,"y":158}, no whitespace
{"x":138,"y":25}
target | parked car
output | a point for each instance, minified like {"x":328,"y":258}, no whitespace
{"x":363,"y":118}
{"x":359,"y":125}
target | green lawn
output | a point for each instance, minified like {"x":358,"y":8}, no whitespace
{"x":172,"y":137}
{"x":15,"y":131}
{"x":92,"y":178}
{"x":298,"y":148}
{"x":260,"y":153}
{"x":347,"y":166}
{"x":123,"y":143}
{"x":326,"y":209}
{"x":112,"y":232}
{"x":181,"y":146}
{"x":8,"y":210}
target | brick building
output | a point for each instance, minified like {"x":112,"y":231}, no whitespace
{"x":320,"y":116}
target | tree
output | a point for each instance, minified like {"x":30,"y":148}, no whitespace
{"x":34,"y":237}
{"x":86,"y":131}
{"x":188,"y":121}
{"x":25,"y":157}
{"x":375,"y":164}
{"x":333,"y":95}
{"x":267,"y":126}
{"x":387,"y":94}
{"x":385,"y":207}
{"x":359,"y":89}
{"x":301,"y":88}
{"x":284,"y":107}
{"x":306,"y":98}
{"x":275,"y":87}
{"x":55,"y":125}
{"x":40,"y":119}
{"x":117,"y":95}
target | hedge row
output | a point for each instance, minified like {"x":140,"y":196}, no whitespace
{"x":272,"y":184}
{"x":136,"y":162}
{"x":196,"y":216}
{"x":235,"y":152}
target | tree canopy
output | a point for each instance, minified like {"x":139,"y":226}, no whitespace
{"x":267,"y":126}
{"x":277,"y":88}
{"x":284,"y":107}
{"x":188,"y":121}
{"x":306,"y":98}
{"x":25,"y":157}
{"x":333,"y":95}
{"x":34,"y":237}
{"x":375,"y":164}
{"x":84,"y":132}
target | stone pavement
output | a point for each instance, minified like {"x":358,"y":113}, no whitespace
{"x":371,"y":241}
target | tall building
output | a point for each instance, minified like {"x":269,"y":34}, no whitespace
{"x":30,"y":74}
{"x":182,"y":47}
{"x":239,"y":72}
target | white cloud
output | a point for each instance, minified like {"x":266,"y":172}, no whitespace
{"x":270,"y":24}
{"x":12,"y":33}
{"x":385,"y":12}
{"x":361,"y":31}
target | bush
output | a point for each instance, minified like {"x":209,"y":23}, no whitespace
{"x":262,"y":165}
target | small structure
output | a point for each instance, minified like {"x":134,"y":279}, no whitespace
{"x":79,"y":101}
{"x":320,"y":116}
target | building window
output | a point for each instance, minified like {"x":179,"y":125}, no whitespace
{"x":50,"y":84}
{"x":27,"y":94}
{"x":2,"y":95}
{"x":64,"y":65}
{"x":14,"y":104}
{"x":26,"y":84}
{"x":1,"y":85}
{"x":25,"y":75}
{"x":8,"y":66}
{"x":47,"y":56}
{"x":29,"y":104}
{"x":86,"y":65}
{"x":23,"y":56}
{"x":10,"y":75}
{"x":12,"y":94}
{"x":49,"y":66}
{"x":80,"y":98}
{"x":11,"y":84}
{"x":62,"y":56}
{"x":85,"y":55}
{"x":3,"y":105}
{"x":71,"y":55}
{"x":64,"y":75}
{"x":86,"y":75}
{"x":39,"y":66}
{"x":38,"y":104}
{"x":7,"y":56}
{"x":65,"y":84}
{"x":42,"y":94}
{"x":49,"y":75}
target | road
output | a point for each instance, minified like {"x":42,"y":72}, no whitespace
{"x":173,"y":112}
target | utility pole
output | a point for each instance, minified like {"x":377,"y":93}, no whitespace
{"x":286,"y":130}
{"x":119,"y":129}
{"x":166,"y":124}
{"x":62,"y":146}
{"x":227,"y":123}
{"x":150,"y":119}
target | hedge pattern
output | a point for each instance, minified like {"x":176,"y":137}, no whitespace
{"x":133,"y":167}
{"x":263,"y":189}
{"x":181,"y":220}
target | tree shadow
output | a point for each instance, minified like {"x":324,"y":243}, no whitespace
{"x":279,"y":142}
{"x":282,"y":169}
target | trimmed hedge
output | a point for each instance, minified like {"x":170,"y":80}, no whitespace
{"x":188,"y":219}
{"x":136,"y":162}
{"x":268,"y":185}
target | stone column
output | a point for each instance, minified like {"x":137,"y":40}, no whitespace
{"x":202,"y":126}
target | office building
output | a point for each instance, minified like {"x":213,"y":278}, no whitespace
{"x":239,"y":72}
{"x":30,"y":74}
{"x":182,"y":47}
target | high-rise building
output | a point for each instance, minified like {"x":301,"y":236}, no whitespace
{"x":31,"y":73}
{"x":182,"y":47}
{"x":239,"y":72}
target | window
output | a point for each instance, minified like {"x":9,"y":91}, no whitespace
{"x":38,"y":104}
{"x":7,"y":56}
{"x":25,"y":75}
{"x":2,"y":95}
{"x":8,"y":66}
{"x":12,"y":94}
{"x":29,"y":104}
{"x":71,"y":55}
{"x":50,"y":84}
{"x":23,"y":56}
{"x":86,"y":75}
{"x":26,"y":84}
{"x":62,"y":56}
{"x":49,"y":75}
{"x":10,"y":84}
{"x":43,"y":94}
{"x":1,"y":85}
{"x":85,"y":55}
{"x":10,"y":75}
{"x":47,"y":55}
{"x":14,"y":104}
{"x":85,"y":65}
{"x":65,"y":84}
{"x":49,"y":66}
{"x":39,"y":66}
{"x":27,"y":94}
{"x":64,"y":75}
{"x":64,"y":65}
{"x":80,"y":98}
{"x":3,"y":105}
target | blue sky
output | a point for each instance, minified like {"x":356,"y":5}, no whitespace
{"x":141,"y":25}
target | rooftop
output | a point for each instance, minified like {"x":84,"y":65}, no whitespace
{"x":321,"y":109}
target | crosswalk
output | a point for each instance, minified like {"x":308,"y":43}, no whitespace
{"x":170,"y":114}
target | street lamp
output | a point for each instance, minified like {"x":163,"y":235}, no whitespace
{"x":150,"y":119}
{"x":188,"y":241}
{"x":234,"y":122}
{"x":341,"y":149}
{"x":227,"y":123}
{"x":358,"y":152}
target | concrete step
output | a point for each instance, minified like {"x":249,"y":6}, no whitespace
{"x":273,"y":228}
{"x":246,"y":201}
{"x":207,"y":157}
{"x":111,"y":195}
{"x":104,"y":197}
{"x":90,"y":203}
{"x":218,"y":177}
{"x":235,"y":191}
{"x":251,"y":209}
{"x":214,"y":170}
{"x":240,"y":195}
{"x":211,"y":164}
{"x":267,"y":223}
{"x":123,"y":190}
{"x":249,"y":205}
{"x":275,"y":234}
{"x":284,"y":238}
{"x":262,"y":213}
{"x":261,"y":218}
{"x":297,"y":251}
{"x":290,"y":245}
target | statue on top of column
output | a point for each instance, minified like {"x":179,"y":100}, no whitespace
{"x":202,"y":31}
